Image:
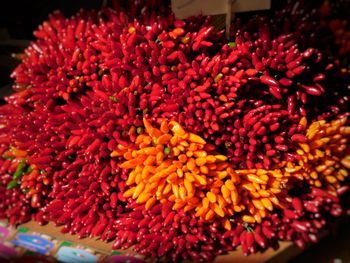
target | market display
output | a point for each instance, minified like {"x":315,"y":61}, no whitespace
{"x":162,"y":135}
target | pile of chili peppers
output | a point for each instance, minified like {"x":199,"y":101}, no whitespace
{"x":162,"y":135}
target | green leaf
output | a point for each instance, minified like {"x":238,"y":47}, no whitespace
{"x":218,"y":77}
{"x":12,"y":184}
{"x":112,"y":98}
{"x":20,"y":169}
{"x":29,"y":169}
{"x":42,"y":171}
{"x":5,"y":157}
{"x":248,"y":227}
{"x":139,"y":130}
{"x":17,"y":175}
{"x":22,"y":164}
{"x":228,"y":144}
{"x":167,"y":150}
{"x":232,"y":44}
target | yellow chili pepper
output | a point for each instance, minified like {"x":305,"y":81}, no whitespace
{"x":248,"y":219}
{"x":176,"y":128}
{"x":267,"y":203}
{"x":211,"y":197}
{"x":218,"y":210}
{"x":196,"y":139}
{"x":210,"y":215}
{"x":188,"y":186}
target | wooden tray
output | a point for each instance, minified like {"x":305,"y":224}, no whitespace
{"x":286,"y":251}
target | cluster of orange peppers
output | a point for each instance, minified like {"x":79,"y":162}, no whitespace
{"x":171,"y":164}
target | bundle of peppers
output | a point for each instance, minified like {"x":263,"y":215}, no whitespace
{"x":162,"y":135}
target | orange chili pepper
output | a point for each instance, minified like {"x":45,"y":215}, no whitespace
{"x":267,"y":203}
{"x":150,"y":202}
{"x":248,"y":219}
{"x":164,"y":139}
{"x":176,"y":128}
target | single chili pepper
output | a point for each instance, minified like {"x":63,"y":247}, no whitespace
{"x":275,"y":91}
{"x":269,"y":80}
{"x":290,"y":214}
{"x":342,"y":190}
{"x":249,"y":239}
{"x":300,"y":243}
{"x":297,"y":205}
{"x":311,"y":207}
{"x":299,"y":226}
{"x":260,"y":240}
{"x":300,"y":138}
{"x":267,"y":232}
{"x":312,"y":90}
{"x":336,"y":211}
{"x":243,"y":242}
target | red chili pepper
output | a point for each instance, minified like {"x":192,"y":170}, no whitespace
{"x":155,"y":220}
{"x":251,"y":72}
{"x":299,"y":138}
{"x":316,"y":223}
{"x":275,"y":91}
{"x":290,"y":214}
{"x":318,"y":192}
{"x":64,"y":219}
{"x":269,"y":80}
{"x":98,"y":229}
{"x":342,"y":190}
{"x":274,"y":127}
{"x":249,"y":239}
{"x":281,"y":235}
{"x":297,"y":205}
{"x":259,"y":238}
{"x":336,"y":211}
{"x":300,"y":243}
{"x":298,"y":70}
{"x":191,"y":238}
{"x":308,"y":53}
{"x":290,"y":234}
{"x":299,"y":226}
{"x":243,"y":241}
{"x":312,"y":90}
{"x":267,"y":232}
{"x":319,"y":77}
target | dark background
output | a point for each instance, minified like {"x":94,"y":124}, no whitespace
{"x":18,"y":20}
